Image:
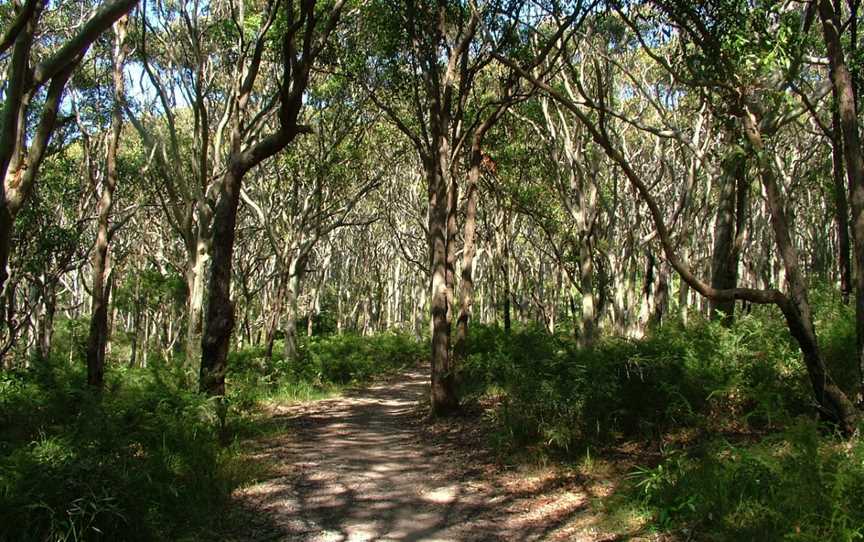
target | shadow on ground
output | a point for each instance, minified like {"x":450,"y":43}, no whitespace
{"x":359,"y":468}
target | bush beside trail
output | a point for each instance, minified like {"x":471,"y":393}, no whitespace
{"x":143,"y":459}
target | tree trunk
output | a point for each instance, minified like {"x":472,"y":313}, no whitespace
{"x":841,"y":207}
{"x":196,"y":285}
{"x":6,"y":222}
{"x":661,"y":297}
{"x":25,"y":81}
{"x":98,"y":338}
{"x":842,"y":82}
{"x":586,"y":283}
{"x":219,"y":322}
{"x":46,"y":321}
{"x":466,"y":287}
{"x":219,"y":319}
{"x":272,"y":322}
{"x":504,"y":253}
{"x":443,"y":392}
{"x":724,"y":256}
{"x":833,"y":402}
{"x":289,"y":345}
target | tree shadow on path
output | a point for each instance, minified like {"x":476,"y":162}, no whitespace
{"x":359,"y":468}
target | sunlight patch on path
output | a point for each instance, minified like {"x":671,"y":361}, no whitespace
{"x":359,"y":468}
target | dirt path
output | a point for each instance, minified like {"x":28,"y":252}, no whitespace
{"x":366,"y":467}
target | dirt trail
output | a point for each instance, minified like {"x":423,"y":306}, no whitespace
{"x":365,"y":467}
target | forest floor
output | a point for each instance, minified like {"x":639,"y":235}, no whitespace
{"x":369,"y":465}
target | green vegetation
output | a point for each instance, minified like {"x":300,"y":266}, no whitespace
{"x":723,"y":413}
{"x":635,"y":191}
{"x":726,"y":410}
{"x":798,"y":484}
{"x":143,"y":460}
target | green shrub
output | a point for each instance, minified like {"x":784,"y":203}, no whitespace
{"x":141,"y":461}
{"x":797,"y":485}
{"x":554,"y":394}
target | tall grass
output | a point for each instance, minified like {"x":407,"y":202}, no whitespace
{"x":558,"y":395}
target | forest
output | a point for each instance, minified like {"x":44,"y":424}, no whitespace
{"x":341,"y":270}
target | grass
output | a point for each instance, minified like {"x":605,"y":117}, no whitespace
{"x":138,"y":462}
{"x":146,"y":459}
{"x":715,"y":425}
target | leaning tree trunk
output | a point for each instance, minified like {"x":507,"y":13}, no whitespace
{"x":835,"y":405}
{"x":98,"y":338}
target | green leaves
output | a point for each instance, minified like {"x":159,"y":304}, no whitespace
{"x":737,"y":42}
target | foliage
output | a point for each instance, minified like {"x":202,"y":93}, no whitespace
{"x":143,"y":460}
{"x":757,"y":466}
{"x":705,"y":376}
{"x":797,"y":485}
{"x":139,"y":462}
{"x":324,"y":364}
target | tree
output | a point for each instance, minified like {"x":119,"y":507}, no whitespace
{"x":101,"y":285}
{"x":734,"y":67}
{"x":304,"y":30}
{"x":22,"y":146}
{"x":847,"y":113}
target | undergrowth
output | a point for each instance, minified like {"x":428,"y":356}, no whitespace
{"x":797,"y":484}
{"x":145,"y":459}
{"x":725,"y":418}
{"x":554,"y":394}
{"x":140,"y":461}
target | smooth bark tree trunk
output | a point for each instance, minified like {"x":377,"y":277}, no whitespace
{"x":101,"y":287}
{"x":276,"y":314}
{"x":46,"y":321}
{"x":289,"y":346}
{"x":842,"y":82}
{"x":661,"y":297}
{"x":6,"y":221}
{"x":588,"y":320}
{"x":196,"y":269}
{"x":504,"y":292}
{"x":841,"y":208}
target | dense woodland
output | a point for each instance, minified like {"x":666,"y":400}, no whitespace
{"x":598,"y":222}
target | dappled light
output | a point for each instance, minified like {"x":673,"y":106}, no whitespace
{"x":356,"y":270}
{"x":359,"y":468}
